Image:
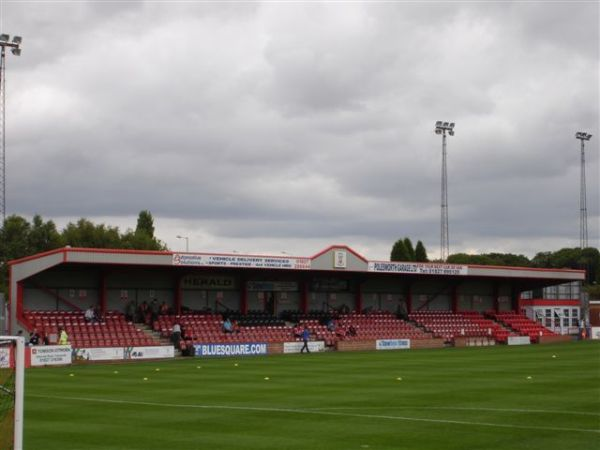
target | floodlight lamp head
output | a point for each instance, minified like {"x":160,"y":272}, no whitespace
{"x":452,"y":125}
{"x":445,"y":125}
{"x":451,"y":132}
{"x":438,"y":123}
{"x":4,"y":37}
{"x":438,"y":131}
{"x":17,"y":40}
{"x":16,"y":51}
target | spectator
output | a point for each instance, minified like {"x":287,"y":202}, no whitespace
{"x":331,"y":325}
{"x":34,"y":337}
{"x":227,"y":326}
{"x":305,"y":339}
{"x":298,"y":331}
{"x":90,"y":315}
{"x":98,"y":314}
{"x":176,"y":334}
{"x":351,"y":330}
{"x":164,"y":309}
{"x":63,"y":337}
{"x":130,"y":311}
{"x":154,"y":308}
{"x":142,"y":312}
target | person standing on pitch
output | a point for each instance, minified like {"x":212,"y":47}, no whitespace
{"x":305,"y":339}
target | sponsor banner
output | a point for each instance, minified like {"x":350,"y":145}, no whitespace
{"x":274,"y":286}
{"x":595,"y":334}
{"x":98,"y":354}
{"x":295,"y":347}
{"x":519,"y":340}
{"x":206,"y":282}
{"x":50,"y":355}
{"x":392,"y":344}
{"x":163,"y":351}
{"x":4,"y":357}
{"x":231,"y":349}
{"x":417,"y":268}
{"x":258,"y":262}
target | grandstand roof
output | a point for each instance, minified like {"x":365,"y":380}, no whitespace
{"x":336,"y":258}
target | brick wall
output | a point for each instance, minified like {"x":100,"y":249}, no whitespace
{"x":349,"y":346}
{"x":553,"y":339}
{"x":426,"y":343}
{"x":275,"y":347}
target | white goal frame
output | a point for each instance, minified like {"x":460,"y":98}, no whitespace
{"x":19,"y":387}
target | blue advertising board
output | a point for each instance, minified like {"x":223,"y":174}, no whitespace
{"x":246,"y":349}
{"x":392,"y":344}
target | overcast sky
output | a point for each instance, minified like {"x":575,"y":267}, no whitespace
{"x":290,"y":126}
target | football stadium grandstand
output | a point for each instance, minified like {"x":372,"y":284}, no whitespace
{"x":84,"y":305}
{"x":346,"y":301}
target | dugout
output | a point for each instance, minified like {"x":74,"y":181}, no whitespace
{"x":335,"y":278}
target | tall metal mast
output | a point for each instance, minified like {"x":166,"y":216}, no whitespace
{"x":441,"y":128}
{"x":583,"y":228}
{"x":14,"y":45}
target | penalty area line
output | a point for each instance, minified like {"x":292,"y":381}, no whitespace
{"x":312,"y":412}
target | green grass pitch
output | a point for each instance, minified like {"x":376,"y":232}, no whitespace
{"x":505,"y":398}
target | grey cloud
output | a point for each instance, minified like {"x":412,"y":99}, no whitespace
{"x":307,"y":121}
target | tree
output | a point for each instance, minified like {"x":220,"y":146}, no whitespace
{"x":410,"y":251}
{"x":145,"y":223}
{"x":420,"y":253}
{"x":85,"y":234}
{"x":399,"y":252}
{"x":43,"y":236}
{"x":14,"y":238}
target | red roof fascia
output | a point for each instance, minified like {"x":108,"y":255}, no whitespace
{"x":530,"y":269}
{"x":37,"y":256}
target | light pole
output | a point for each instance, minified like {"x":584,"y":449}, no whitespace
{"x":187,"y":242}
{"x":15,"y":48}
{"x":583,"y":229}
{"x":442,"y":128}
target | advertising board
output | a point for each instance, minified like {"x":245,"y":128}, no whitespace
{"x":50,"y":355}
{"x":160,"y":351}
{"x":247,"y":349}
{"x":392,"y":344}
{"x":295,"y":347}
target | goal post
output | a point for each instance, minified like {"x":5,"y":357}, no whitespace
{"x":12,"y":383}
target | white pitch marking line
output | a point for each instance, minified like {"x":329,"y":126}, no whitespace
{"x":458,"y":408}
{"x":314,"y":412}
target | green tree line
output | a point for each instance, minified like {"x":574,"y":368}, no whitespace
{"x":587,"y":259}
{"x":20,"y":238}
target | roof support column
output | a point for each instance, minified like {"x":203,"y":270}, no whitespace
{"x":514,"y":299}
{"x":178,"y":294}
{"x":455,"y":298}
{"x":496,"y":297}
{"x":358,"y":304}
{"x":409,"y":297}
{"x":103,"y":293}
{"x":244,"y":299}
{"x":20,"y":313}
{"x":304,"y":297}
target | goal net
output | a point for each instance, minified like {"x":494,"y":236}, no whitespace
{"x":11,"y":392}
